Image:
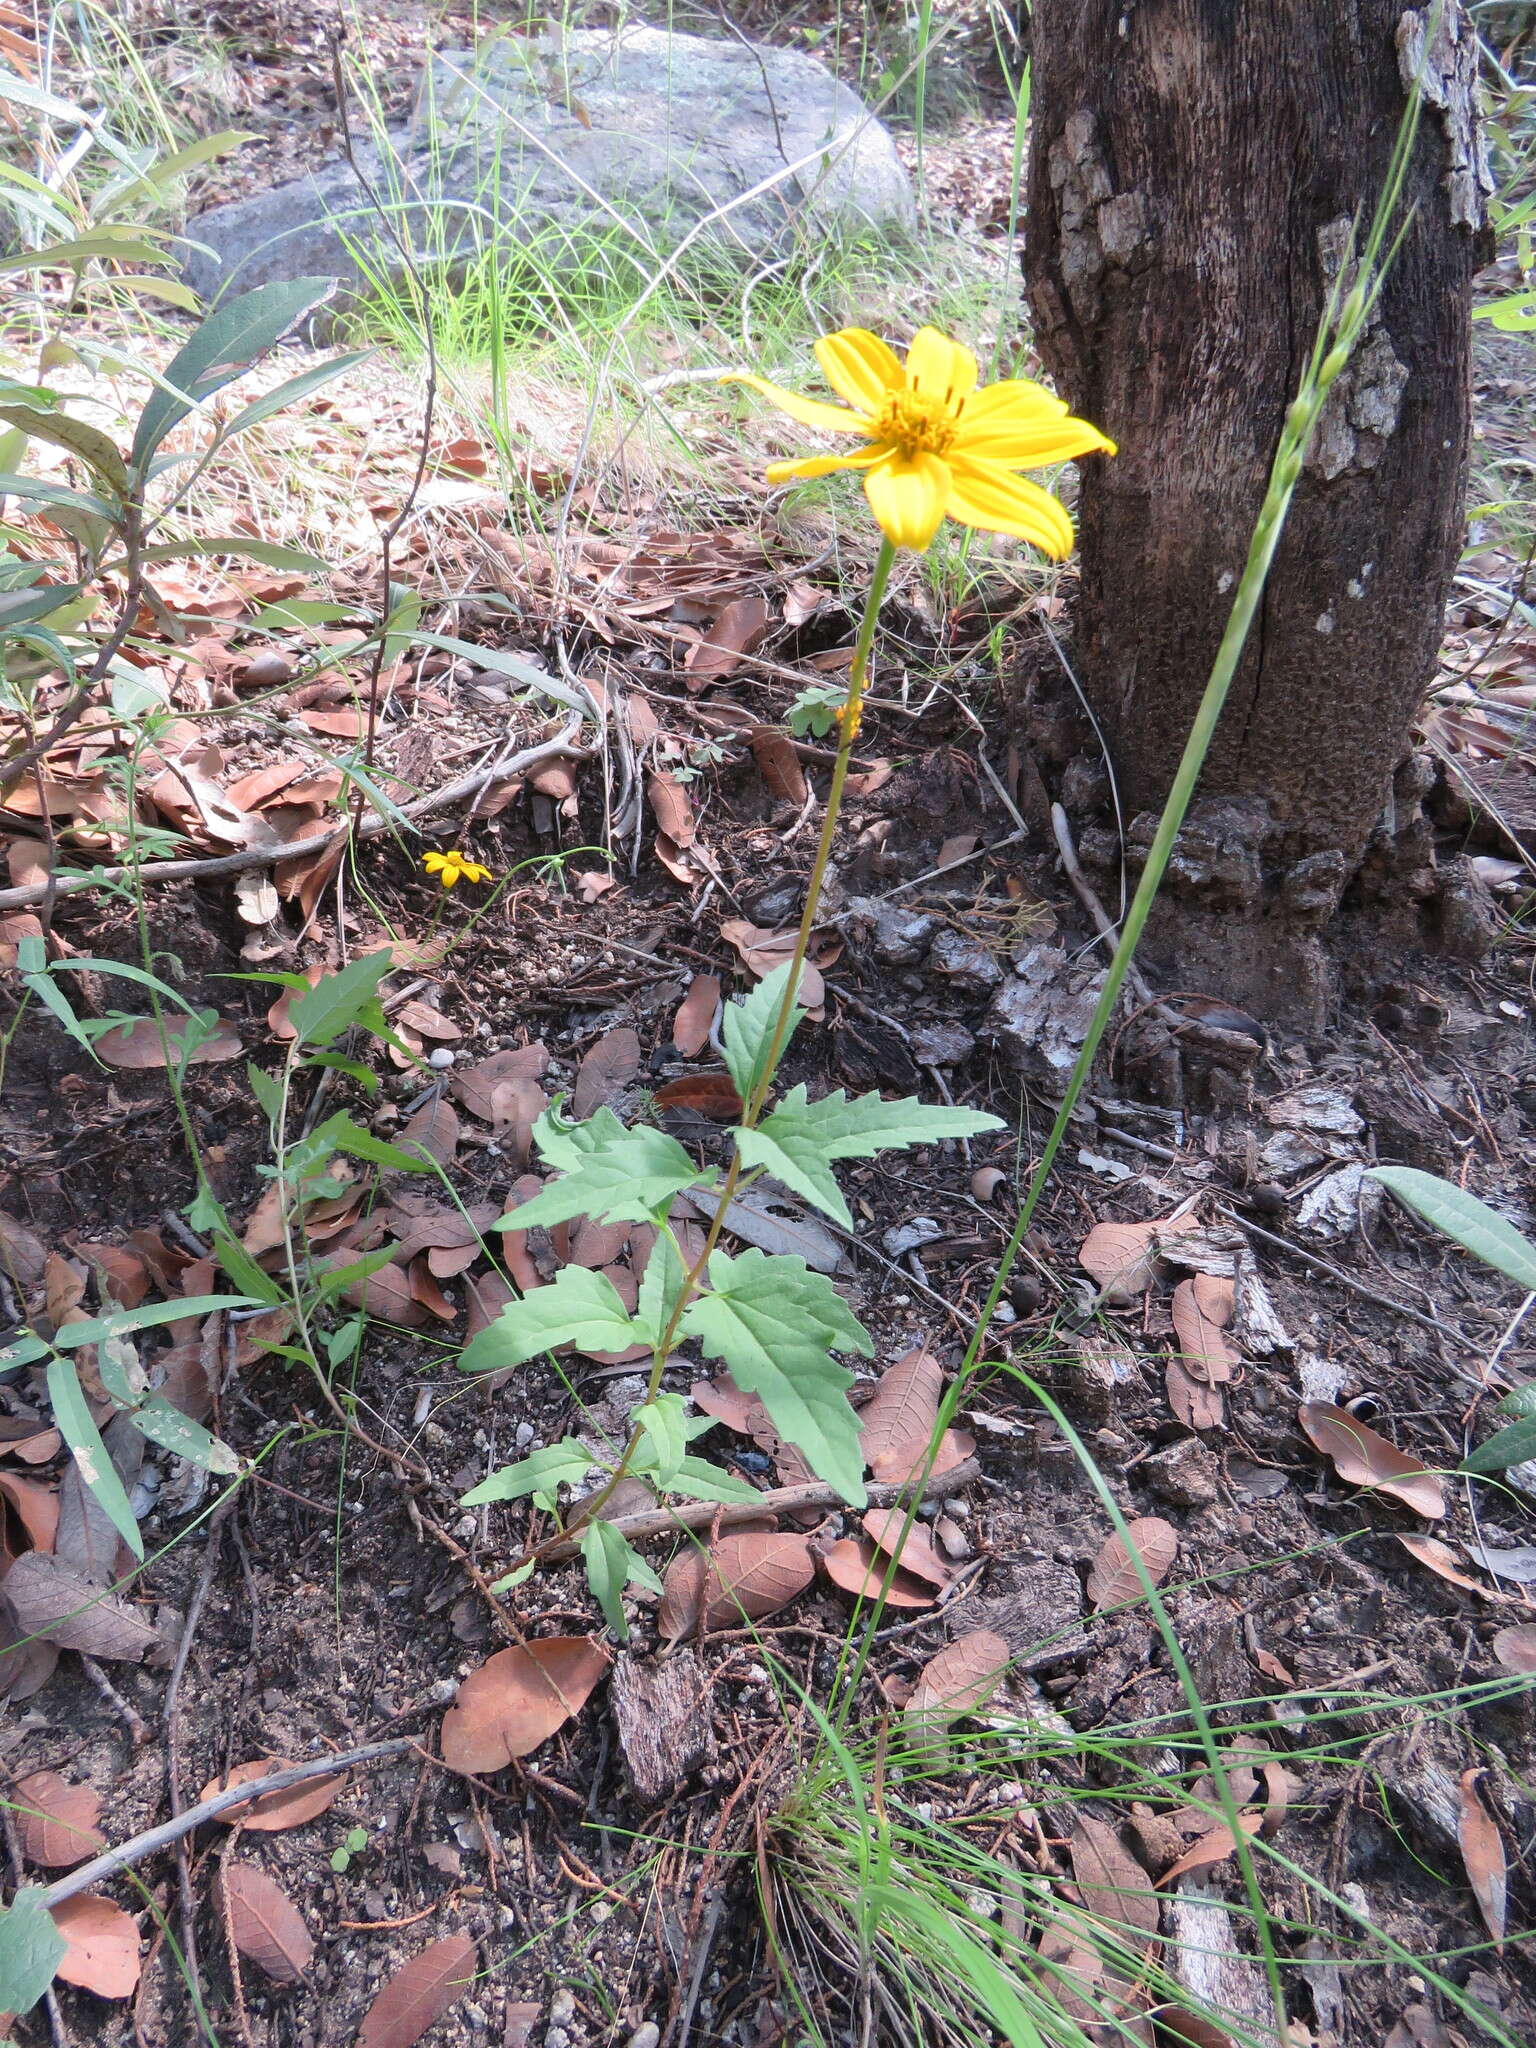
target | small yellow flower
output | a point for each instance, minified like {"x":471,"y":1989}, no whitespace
{"x":937,"y":444}
{"x":454,"y":867}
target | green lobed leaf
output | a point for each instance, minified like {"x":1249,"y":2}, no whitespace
{"x":577,"y":1307}
{"x":607,"y":1172}
{"x":747,"y":1027}
{"x":31,"y":1949}
{"x":338,"y":1001}
{"x":774,"y":1323}
{"x":232,"y":338}
{"x":1464,"y":1219}
{"x":612,"y":1563}
{"x":660,"y":1285}
{"x":1511,"y":1446}
{"x":566,"y":1463}
{"x":72,"y":1419}
{"x":698,"y":1479}
{"x":800,"y":1138}
{"x":664,"y":1437}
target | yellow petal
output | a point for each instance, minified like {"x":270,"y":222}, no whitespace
{"x":1019,"y":397}
{"x":940,"y":368}
{"x":1029,"y":443}
{"x":824,"y":465}
{"x":859,"y":367}
{"x":986,"y":495}
{"x":908,"y":497}
{"x":810,"y":412}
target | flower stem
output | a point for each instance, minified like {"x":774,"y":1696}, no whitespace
{"x":848,"y":720}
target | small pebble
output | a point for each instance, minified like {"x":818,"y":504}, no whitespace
{"x":646,"y":2035}
{"x":440,"y":1056}
{"x":522,"y":1436}
{"x":562,"y":2007}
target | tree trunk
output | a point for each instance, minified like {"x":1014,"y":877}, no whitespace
{"x":1194,"y":170}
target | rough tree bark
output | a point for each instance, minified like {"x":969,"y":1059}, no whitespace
{"x":1194,"y":168}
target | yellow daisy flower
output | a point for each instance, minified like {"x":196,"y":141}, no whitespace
{"x":936,"y":444}
{"x":454,"y":867}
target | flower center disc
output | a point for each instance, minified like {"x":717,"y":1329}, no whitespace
{"x":915,"y":424}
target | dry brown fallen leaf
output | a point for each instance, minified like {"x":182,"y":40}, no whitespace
{"x":709,"y":1095}
{"x":855,"y":1566}
{"x":517,"y":1699}
{"x":1202,"y":1309}
{"x":961,"y":1678}
{"x":735,"y":633}
{"x":49,"y":1598}
{"x":274,"y":1812}
{"x":1196,"y":1404}
{"x":778,"y":764}
{"x":1111,"y":1885}
{"x":906,"y":1539}
{"x":763,"y":950}
{"x":672,"y":808}
{"x":696,"y":1015}
{"x":904,"y":1407}
{"x":1114,"y":1578}
{"x":1515,"y":1648}
{"x":268,"y":1927}
{"x":35,"y":1506}
{"x":432,"y":1133}
{"x":419,"y":1993}
{"x":475,"y":1086}
{"x":1444,"y":1562}
{"x":1122,"y":1258}
{"x":142,"y":1045}
{"x":56,"y":1820}
{"x":101,"y":1945}
{"x":1482,"y":1851}
{"x":1188,"y":2029}
{"x":1214,"y":1846}
{"x":1362,"y":1458}
{"x":745,"y":1573}
{"x":605,"y":1071}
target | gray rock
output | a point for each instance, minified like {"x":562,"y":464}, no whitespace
{"x":1186,"y":1474}
{"x":1039,"y":1019}
{"x":965,"y":962}
{"x":941,"y":1045}
{"x":895,"y":935}
{"x":605,"y":146}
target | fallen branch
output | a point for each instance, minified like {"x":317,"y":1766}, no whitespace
{"x":779,"y":1500}
{"x":137,"y":1847}
{"x":298,"y":849}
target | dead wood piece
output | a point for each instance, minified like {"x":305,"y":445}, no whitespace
{"x":661,"y":1711}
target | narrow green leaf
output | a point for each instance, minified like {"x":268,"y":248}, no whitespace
{"x":187,"y":1439}
{"x":747,"y":1027}
{"x":607,"y":1172}
{"x":800,"y":1138}
{"x":566,"y":1463}
{"x":45,"y":491}
{"x":344,"y":1135}
{"x":243,"y":1270}
{"x":1511,"y":1446}
{"x":612,"y":1563}
{"x":775,"y":1323}
{"x":578,"y":1307}
{"x":365,"y":1077}
{"x":1464,"y":1219}
{"x":268,"y":1091}
{"x":334,"y":1280}
{"x":63,"y":430}
{"x":21,"y":607}
{"x":292,"y":390}
{"x":123,"y":1322}
{"x":115,"y":247}
{"x":232,"y":338}
{"x":72,"y":1418}
{"x":269,"y":553}
{"x":23,"y":1351}
{"x":337,"y":1001}
{"x":31,"y":1950}
{"x":32,"y":965}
